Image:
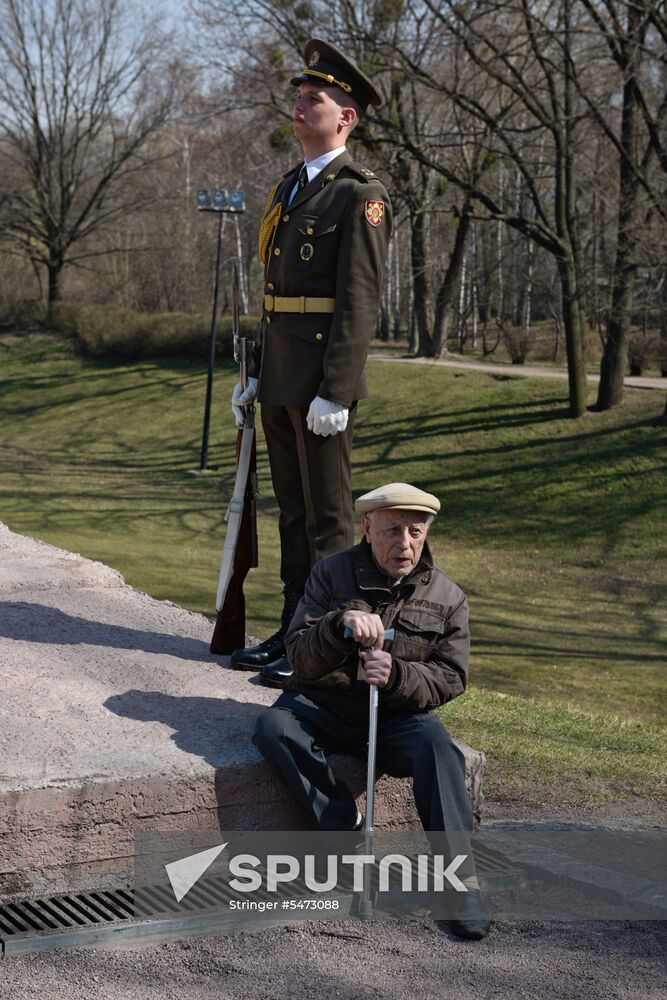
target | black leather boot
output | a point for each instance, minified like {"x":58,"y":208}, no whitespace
{"x":276,"y":673}
{"x":470,"y":918}
{"x":271,"y":649}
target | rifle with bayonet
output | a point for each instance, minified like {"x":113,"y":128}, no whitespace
{"x":239,"y":553}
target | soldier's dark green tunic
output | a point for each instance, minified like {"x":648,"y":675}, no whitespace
{"x":330,"y":243}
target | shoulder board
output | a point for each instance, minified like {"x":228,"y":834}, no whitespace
{"x":363,"y":173}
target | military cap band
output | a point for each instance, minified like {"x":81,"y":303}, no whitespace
{"x":329,"y":78}
{"x":397,"y":496}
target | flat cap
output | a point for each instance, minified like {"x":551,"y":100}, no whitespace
{"x":327,"y":64}
{"x":397,"y":496}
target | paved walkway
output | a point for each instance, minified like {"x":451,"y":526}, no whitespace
{"x":518,"y":371}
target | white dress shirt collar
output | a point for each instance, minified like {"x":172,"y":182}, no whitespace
{"x":317,"y":165}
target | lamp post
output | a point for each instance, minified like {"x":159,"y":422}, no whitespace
{"x":220,"y":201}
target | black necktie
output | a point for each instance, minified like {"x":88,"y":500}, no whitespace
{"x":301,"y":182}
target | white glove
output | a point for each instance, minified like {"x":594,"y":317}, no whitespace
{"x":325,"y":417}
{"x":239,"y":399}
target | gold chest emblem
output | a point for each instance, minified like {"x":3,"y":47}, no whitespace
{"x":307,"y":251}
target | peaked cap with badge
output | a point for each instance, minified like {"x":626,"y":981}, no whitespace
{"x":326,"y":63}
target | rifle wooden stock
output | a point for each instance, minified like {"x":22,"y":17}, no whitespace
{"x":229,"y":631}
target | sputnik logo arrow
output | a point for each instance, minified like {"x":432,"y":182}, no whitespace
{"x":185,"y":873}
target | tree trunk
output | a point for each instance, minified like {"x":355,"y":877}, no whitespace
{"x":576,"y":371}
{"x":55,"y":271}
{"x":54,"y":268}
{"x":473,"y":286}
{"x":663,"y":325}
{"x":449,"y":282}
{"x":420,"y":283}
{"x":565,"y":210}
{"x":615,"y":356}
{"x":397,"y":291}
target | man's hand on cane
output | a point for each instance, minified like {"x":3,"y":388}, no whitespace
{"x":368,"y":630}
{"x":377,"y":666}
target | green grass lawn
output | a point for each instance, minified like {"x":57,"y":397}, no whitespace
{"x":554,"y":527}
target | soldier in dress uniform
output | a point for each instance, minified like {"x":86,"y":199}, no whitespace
{"x":323,"y":242}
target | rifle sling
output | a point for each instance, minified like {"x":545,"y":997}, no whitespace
{"x":234,"y":516}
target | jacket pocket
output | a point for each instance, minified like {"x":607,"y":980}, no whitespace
{"x":315,"y":245}
{"x":417,"y":632}
{"x":310,"y":225}
{"x":311,"y":327}
{"x":421,"y":622}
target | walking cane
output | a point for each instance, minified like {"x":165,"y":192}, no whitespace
{"x":366,"y":901}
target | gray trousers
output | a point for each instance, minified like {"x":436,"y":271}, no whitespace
{"x":311,"y":481}
{"x":295,"y":735}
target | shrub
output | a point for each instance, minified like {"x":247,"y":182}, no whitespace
{"x":643,"y":350}
{"x":518,"y":342}
{"x":116,"y":332}
{"x":62,"y":317}
{"x":26,"y":314}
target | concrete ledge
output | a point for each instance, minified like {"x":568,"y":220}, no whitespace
{"x":115,"y":718}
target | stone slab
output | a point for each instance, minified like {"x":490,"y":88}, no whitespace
{"x":115,"y":718}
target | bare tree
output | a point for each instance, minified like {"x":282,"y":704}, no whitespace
{"x":83,"y":87}
{"x":527,"y":106}
{"x":635,"y":32}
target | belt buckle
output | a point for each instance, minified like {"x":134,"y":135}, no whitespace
{"x":269,"y":303}
{"x":302,"y":304}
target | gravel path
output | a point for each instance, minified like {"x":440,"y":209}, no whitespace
{"x":519,"y":371}
{"x":395,"y":961}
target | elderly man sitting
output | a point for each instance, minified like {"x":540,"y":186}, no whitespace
{"x":387,"y":581}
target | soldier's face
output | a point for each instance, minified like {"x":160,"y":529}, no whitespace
{"x":317,"y":117}
{"x":397,"y":538}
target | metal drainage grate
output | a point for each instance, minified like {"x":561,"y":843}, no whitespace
{"x":151,"y":914}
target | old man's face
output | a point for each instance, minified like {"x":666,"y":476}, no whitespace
{"x":397,"y":538}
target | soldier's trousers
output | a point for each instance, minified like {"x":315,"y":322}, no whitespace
{"x":295,"y":736}
{"x":311,"y":480}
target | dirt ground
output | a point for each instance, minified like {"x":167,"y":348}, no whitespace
{"x":395,"y":961}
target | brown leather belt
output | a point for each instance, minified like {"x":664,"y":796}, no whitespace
{"x":298,"y":304}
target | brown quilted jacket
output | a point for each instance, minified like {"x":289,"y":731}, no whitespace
{"x":430,"y":651}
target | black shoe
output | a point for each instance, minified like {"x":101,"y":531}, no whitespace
{"x":276,"y":673}
{"x":273,"y":648}
{"x":256,"y":657}
{"x":471,"y":920}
